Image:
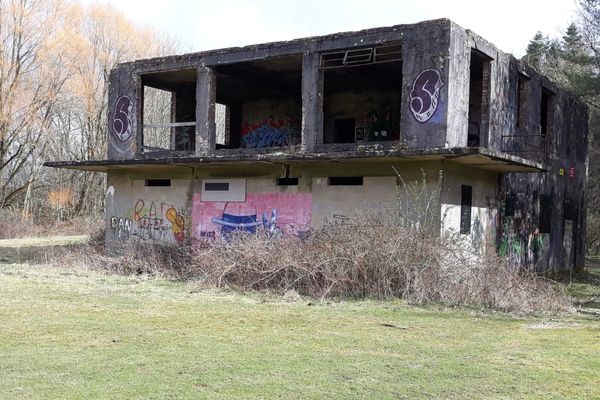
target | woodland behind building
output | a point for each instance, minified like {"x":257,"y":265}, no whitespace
{"x":55,"y":59}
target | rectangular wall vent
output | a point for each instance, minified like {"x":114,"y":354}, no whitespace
{"x":216,"y":186}
{"x":345,"y":181}
{"x":364,"y":56}
{"x":157,"y":182}
{"x":287,"y":181}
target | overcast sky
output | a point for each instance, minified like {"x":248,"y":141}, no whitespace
{"x":203,"y":25}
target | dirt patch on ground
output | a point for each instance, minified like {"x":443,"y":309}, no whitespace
{"x":552,"y":325}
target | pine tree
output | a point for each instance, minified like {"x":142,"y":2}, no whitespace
{"x":537,"y":51}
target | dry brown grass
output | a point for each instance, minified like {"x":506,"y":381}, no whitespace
{"x":12,"y":225}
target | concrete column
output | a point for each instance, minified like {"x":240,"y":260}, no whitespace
{"x":138,"y":95}
{"x":206,"y":86}
{"x":124,"y":114}
{"x":312,"y":102}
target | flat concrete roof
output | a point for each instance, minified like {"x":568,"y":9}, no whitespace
{"x":475,"y":157}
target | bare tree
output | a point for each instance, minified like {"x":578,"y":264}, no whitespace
{"x":55,"y":59}
{"x":31,"y":77}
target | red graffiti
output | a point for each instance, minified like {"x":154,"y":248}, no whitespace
{"x":248,"y":127}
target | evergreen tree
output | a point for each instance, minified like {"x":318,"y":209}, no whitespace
{"x":537,"y":51}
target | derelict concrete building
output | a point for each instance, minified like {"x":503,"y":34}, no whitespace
{"x":290,"y":135}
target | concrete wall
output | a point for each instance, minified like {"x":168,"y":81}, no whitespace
{"x":271,"y":123}
{"x":484,"y":209}
{"x":563,"y":149}
{"x":124,"y":113}
{"x":425,"y":70}
{"x":255,"y":203}
{"x":138,"y":212}
{"x":565,"y":182}
{"x":135,"y":211}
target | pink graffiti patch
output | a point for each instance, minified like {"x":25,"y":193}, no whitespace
{"x":273,"y":213}
{"x":425,"y":93}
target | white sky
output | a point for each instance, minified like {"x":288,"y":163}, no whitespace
{"x":203,"y":25}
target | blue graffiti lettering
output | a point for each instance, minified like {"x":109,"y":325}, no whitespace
{"x":267,"y":136}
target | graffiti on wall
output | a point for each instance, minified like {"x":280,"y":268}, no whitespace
{"x":425,"y":94}
{"x":376,"y":126}
{"x":271,"y":214}
{"x":519,"y":238}
{"x":149,"y":222}
{"x":121,"y":121}
{"x":267,"y":133}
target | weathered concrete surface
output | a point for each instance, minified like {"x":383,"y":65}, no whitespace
{"x":433,"y":116}
{"x":157,"y":214}
{"x":124,"y":114}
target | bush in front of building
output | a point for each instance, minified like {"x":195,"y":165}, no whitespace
{"x":368,"y":257}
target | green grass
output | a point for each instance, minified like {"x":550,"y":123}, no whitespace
{"x":585,"y":287}
{"x":73,"y":334}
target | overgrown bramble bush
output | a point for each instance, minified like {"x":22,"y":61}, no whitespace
{"x":13,"y":225}
{"x":381,"y":261}
{"x":371,"y":257}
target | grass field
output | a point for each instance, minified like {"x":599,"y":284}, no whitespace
{"x":70,"y":334}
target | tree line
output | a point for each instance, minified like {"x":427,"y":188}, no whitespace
{"x":55,"y":59}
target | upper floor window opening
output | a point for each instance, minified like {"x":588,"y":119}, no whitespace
{"x":362,"y":93}
{"x":479,"y":99}
{"x":259,"y":103}
{"x":169,"y":111}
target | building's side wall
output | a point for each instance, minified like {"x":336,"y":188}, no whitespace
{"x":563,"y":149}
{"x":481,"y":237}
{"x":563,"y":245}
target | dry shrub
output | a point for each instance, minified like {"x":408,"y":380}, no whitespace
{"x":375,"y":260}
{"x":129,"y":258}
{"x":368,"y":257}
{"x":12,"y":225}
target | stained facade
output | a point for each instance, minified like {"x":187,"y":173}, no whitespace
{"x":281,"y":137}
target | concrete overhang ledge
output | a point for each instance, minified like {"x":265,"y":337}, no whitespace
{"x":472,"y":157}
